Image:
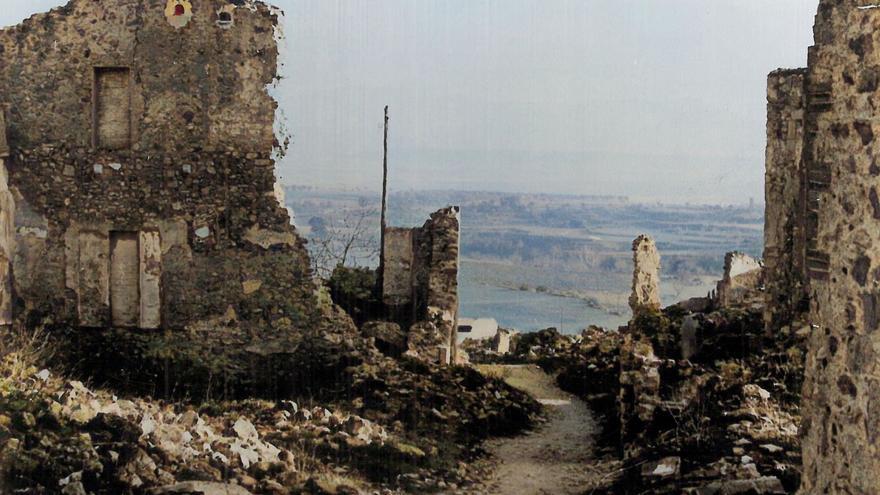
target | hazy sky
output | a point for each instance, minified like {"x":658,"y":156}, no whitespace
{"x":655,"y":99}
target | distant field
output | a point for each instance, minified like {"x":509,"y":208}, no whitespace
{"x":520,"y":252}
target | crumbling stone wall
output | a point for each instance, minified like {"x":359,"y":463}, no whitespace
{"x":639,"y":394}
{"x":841,"y":425}
{"x":785,"y":188}
{"x":140,"y":157}
{"x":741,"y":282}
{"x":646,"y":276}
{"x":7,"y":230}
{"x":420,"y":283}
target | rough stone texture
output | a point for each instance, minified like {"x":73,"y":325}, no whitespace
{"x":501,"y":341}
{"x":420,"y":282}
{"x":841,"y":425}
{"x":397,"y":272}
{"x":7,"y":245}
{"x":389,"y":338}
{"x":646,"y":276}
{"x":122,"y":118}
{"x":7,"y":230}
{"x":4,"y":146}
{"x":784,"y":190}
{"x":742,"y":280}
{"x":690,"y":345}
{"x":639,"y":394}
{"x":427,"y":342}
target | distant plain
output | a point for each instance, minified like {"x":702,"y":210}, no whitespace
{"x":533,"y":261}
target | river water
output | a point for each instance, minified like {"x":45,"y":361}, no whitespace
{"x":527,"y":310}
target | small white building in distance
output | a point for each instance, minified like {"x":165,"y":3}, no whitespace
{"x":477,"y":329}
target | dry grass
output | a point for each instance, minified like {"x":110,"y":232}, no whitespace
{"x":529,"y":378}
{"x":21,"y":351}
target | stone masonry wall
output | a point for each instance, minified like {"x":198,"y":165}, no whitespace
{"x":7,"y":230}
{"x":742,"y":279}
{"x":136,"y":117}
{"x":785,"y":187}
{"x":841,"y":425}
{"x":420,"y":283}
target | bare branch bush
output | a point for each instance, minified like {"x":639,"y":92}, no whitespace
{"x":347,"y":239}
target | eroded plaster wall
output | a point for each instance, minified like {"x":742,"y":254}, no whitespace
{"x":126,"y":117}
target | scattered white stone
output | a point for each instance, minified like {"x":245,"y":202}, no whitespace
{"x":753,"y":391}
{"x":148,"y":425}
{"x":771,"y":449}
{"x":217,"y":456}
{"x":245,"y":429}
{"x":77,"y":476}
{"x":664,"y":470}
{"x":43,"y":375}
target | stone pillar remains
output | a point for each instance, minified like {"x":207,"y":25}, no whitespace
{"x":420,"y":284}
{"x":501,"y":341}
{"x":741,"y":281}
{"x":646,"y":276}
{"x":7,"y":231}
{"x":841,"y":423}
{"x":784,"y":193}
{"x":442,"y":290}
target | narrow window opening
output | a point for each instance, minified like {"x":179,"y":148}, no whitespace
{"x":112,"y":108}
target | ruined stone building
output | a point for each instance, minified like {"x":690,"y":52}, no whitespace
{"x":823,"y":239}
{"x":138,"y":181}
{"x":740,"y":284}
{"x":785,"y":181}
{"x":645,"y":293}
{"x":420,"y":283}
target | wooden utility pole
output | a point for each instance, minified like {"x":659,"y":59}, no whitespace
{"x":383,"y":221}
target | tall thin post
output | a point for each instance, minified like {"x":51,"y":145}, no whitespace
{"x":383,"y":221}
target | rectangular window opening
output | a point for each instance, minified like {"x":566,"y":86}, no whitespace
{"x":111,"y":110}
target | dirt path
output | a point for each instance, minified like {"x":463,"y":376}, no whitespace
{"x":554,"y":459}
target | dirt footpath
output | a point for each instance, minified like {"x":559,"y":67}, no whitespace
{"x":557,"y":458}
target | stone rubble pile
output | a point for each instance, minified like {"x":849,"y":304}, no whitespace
{"x":700,"y":403}
{"x":99,"y":443}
